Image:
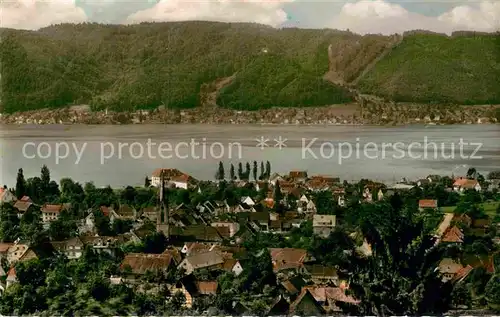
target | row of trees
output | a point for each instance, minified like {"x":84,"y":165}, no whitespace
{"x":244,"y":174}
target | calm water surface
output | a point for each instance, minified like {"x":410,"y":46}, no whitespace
{"x":102,"y":162}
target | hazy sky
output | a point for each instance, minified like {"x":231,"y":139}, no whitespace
{"x":362,"y":16}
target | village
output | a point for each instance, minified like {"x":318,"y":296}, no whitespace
{"x":183,"y":239}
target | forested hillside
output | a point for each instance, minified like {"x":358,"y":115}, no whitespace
{"x":149,"y":65}
{"x":425,"y":68}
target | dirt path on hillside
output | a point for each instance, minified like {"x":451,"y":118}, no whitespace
{"x":372,"y":64}
{"x":209,"y":97}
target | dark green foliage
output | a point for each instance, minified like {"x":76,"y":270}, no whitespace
{"x":432,"y":68}
{"x":9,"y":223}
{"x":493,"y":293}
{"x":220,"y":174}
{"x":254,"y":170}
{"x":63,"y":228}
{"x":20,"y":184}
{"x":148,"y":65}
{"x":232,"y":173}
{"x":272,"y":80}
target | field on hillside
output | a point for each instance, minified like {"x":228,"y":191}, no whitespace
{"x":490,"y":208}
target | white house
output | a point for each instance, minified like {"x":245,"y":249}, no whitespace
{"x":210,"y":259}
{"x":234,"y":266}
{"x":181,"y":181}
{"x":6,"y":196}
{"x":172,"y":176}
{"x":323,"y":225}
{"x":462,"y":184}
{"x":51,"y":212}
{"x":16,"y":251}
{"x":71,"y":248}
{"x":311,"y":207}
{"x":341,"y":201}
{"x":248,"y":200}
{"x":304,"y":199}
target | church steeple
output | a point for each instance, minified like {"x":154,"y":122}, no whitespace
{"x":162,"y":221}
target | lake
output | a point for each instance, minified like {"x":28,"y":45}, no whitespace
{"x":124,"y":155}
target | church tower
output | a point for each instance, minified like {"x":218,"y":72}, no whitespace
{"x":162,"y":221}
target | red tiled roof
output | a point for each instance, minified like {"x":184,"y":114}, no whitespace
{"x":465,"y":183}
{"x":305,"y":293}
{"x":286,"y":258}
{"x":5,"y":246}
{"x":207,"y":287}
{"x":296,"y":174}
{"x":51,"y":208}
{"x":168,"y":172}
{"x":490,"y":265}
{"x":105,"y":210}
{"x":11,"y":272}
{"x":142,"y":262}
{"x":453,"y":234}
{"x":224,"y":232}
{"x":183,"y":178}
{"x":22,"y":205}
{"x":336,"y":294}
{"x":175,"y":254}
{"x":229,"y":264}
{"x":268,"y":202}
{"x":26,"y":198}
{"x":462,"y":273}
{"x":427,"y":203}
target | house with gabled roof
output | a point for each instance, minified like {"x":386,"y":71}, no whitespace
{"x":289,"y":259}
{"x":461,"y":184}
{"x":202,"y":233}
{"x":126,"y":212}
{"x":191,"y":248}
{"x":321,"y":274}
{"x":22,"y":205}
{"x":331,"y":298}
{"x":293,"y":286}
{"x":150,"y":213}
{"x":323,"y":225}
{"x":138,"y":264}
{"x":106,"y":244}
{"x":453,"y":235}
{"x":175,"y":254}
{"x":203,"y":260}
{"x":193,"y":289}
{"x":6,"y":196}
{"x":449,"y":268}
{"x":427,"y":204}
{"x":306,"y":305}
{"x":233,"y":227}
{"x":4,"y":250}
{"x":247,"y":200}
{"x":280,"y":307}
{"x":71,"y":248}
{"x":232,"y":265}
{"x":16,"y":251}
{"x":51,"y":212}
{"x":167,"y":172}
